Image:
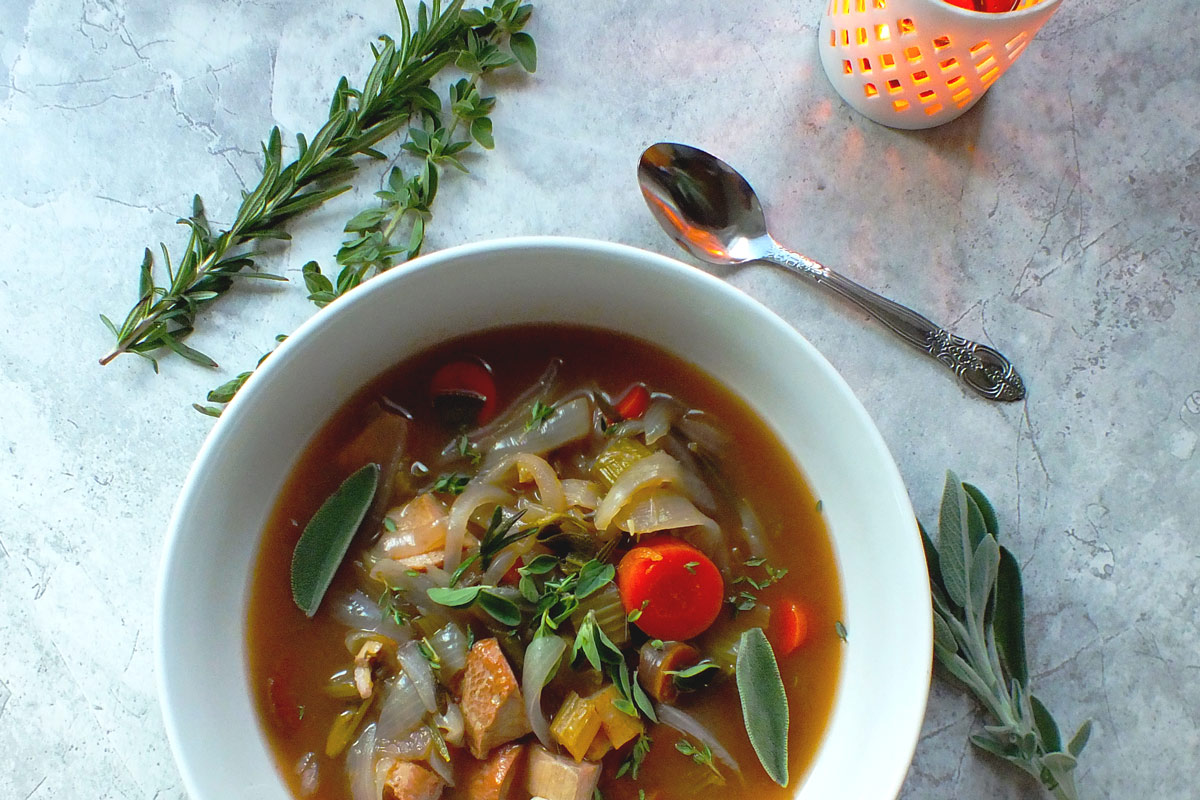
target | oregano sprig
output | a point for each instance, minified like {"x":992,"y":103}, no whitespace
{"x":979,"y":638}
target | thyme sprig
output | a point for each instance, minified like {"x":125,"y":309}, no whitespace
{"x":393,"y":231}
{"x":979,"y":638}
{"x":396,"y":89}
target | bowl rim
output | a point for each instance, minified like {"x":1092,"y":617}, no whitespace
{"x":224,"y":427}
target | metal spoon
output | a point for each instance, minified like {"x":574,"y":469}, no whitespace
{"x":710,"y":210}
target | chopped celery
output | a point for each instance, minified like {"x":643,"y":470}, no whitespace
{"x":619,"y":727}
{"x":610,"y":613}
{"x":618,"y":456}
{"x":576,"y":725}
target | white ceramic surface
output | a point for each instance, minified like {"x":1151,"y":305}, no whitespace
{"x":919,"y":63}
{"x":232,"y":486}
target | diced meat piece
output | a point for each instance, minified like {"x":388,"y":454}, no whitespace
{"x":364,"y":663}
{"x":492,"y":706}
{"x":560,"y":777}
{"x":493,"y":779}
{"x":408,"y":780}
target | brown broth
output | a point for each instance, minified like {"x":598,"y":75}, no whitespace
{"x":291,"y":656}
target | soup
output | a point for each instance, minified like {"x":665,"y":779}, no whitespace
{"x":575,"y":544}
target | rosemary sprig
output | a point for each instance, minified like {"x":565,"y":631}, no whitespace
{"x":393,"y":230}
{"x":979,"y":638}
{"x":396,"y":88}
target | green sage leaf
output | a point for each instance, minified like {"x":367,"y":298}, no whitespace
{"x":952,"y":546}
{"x":985,"y":509}
{"x":1080,"y":739}
{"x":1008,"y":621}
{"x":1047,"y":728}
{"x":983,"y":576}
{"x":764,"y":703}
{"x":327,"y":537}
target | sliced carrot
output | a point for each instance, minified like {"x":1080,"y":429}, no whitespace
{"x":634,"y":402}
{"x":671,"y":590}
{"x":788,"y":627}
{"x":464,"y":391}
{"x":283,"y":705}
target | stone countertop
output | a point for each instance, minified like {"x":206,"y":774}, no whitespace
{"x":1056,"y":220}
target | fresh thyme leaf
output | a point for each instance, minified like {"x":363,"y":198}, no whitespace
{"x":632,"y":764}
{"x":224,"y":393}
{"x":694,"y":677}
{"x":538,"y":414}
{"x":702,"y":755}
{"x":389,"y":524}
{"x":691,"y":566}
{"x":327,"y":537}
{"x":979,"y":638}
{"x":451,"y":483}
{"x":839,"y":628}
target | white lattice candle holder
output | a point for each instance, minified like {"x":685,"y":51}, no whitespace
{"x":920,"y":63}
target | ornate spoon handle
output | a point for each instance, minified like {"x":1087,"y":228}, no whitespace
{"x":982,"y":368}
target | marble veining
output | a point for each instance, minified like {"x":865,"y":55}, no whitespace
{"x":1057,"y":221}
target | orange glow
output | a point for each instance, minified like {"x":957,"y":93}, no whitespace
{"x":948,"y":64}
{"x":933,"y":109}
{"x":861,"y":36}
{"x":900,"y":105}
{"x":927,"y":95}
{"x":894,"y":86}
{"x":698,"y":237}
{"x":962,"y":96}
{"x":906,"y":25}
{"x":847,"y":67}
{"x":990,"y":76}
{"x":913,"y":54}
{"x":941,"y":43}
{"x":980,"y":48}
{"x":955,"y":83}
{"x":888,"y":61}
{"x":870,"y":90}
{"x":985,"y":65}
{"x":865,"y":63}
{"x":920,"y":76}
{"x":881,"y":4}
{"x":882,"y":32}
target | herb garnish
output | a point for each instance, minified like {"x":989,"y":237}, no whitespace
{"x":495,"y":538}
{"x":327,"y":537}
{"x":224,"y":393}
{"x":839,"y":628}
{"x":595,"y":645}
{"x":539,"y":412}
{"x":764,"y":703}
{"x":396,"y":89}
{"x":633,"y":762}
{"x":745,"y":600}
{"x":979,"y":638}
{"x":702,"y":755}
{"x":694,"y":677}
{"x":451,"y":483}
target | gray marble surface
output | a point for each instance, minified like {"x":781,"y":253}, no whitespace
{"x":1056,"y":220}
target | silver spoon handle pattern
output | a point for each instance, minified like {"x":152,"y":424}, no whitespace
{"x":982,"y":368}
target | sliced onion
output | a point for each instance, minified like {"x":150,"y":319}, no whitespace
{"x":691,"y":470}
{"x":360,"y":612}
{"x":420,"y":527}
{"x":452,"y":724}
{"x":417,"y":668}
{"x":477,"y":494}
{"x":414,"y":746}
{"x":541,"y":661}
{"x":450,"y":644}
{"x":500,"y":566}
{"x":660,"y":416}
{"x":581,"y":494}
{"x":307,"y":771}
{"x":529,"y":468}
{"x":654,"y":470}
{"x":360,"y":766}
{"x":752,"y":531}
{"x":688,"y":725}
{"x":695,"y":426}
{"x":443,"y":768}
{"x":661,"y":510}
{"x":571,"y":421}
{"x":513,"y":418}
{"x":401,"y":709}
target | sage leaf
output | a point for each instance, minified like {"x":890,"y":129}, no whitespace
{"x":1046,"y":726}
{"x":984,"y":565}
{"x":327,"y":537}
{"x":1080,"y":739}
{"x":764,"y":703}
{"x":985,"y":509}
{"x":1008,"y":623}
{"x":952,"y":540}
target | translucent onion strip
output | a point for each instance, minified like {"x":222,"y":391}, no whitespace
{"x":689,"y":726}
{"x":477,"y":494}
{"x":530,"y":468}
{"x":658,"y":469}
{"x":662,"y":510}
{"x":570,"y":422}
{"x":450,"y":644}
{"x":417,"y":668}
{"x":360,"y":766}
{"x":541,"y":662}
{"x":401,"y":710}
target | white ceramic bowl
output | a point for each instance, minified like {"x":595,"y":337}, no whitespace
{"x":232,"y":487}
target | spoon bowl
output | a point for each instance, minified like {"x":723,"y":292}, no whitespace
{"x":711,"y":211}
